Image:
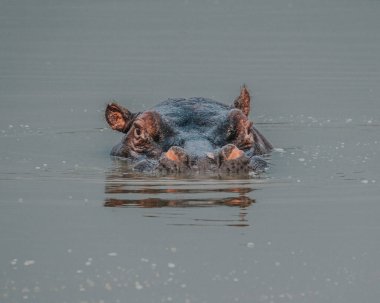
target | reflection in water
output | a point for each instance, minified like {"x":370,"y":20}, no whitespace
{"x":241,"y":201}
{"x":126,"y":189}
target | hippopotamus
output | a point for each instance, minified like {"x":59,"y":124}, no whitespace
{"x":183,"y":135}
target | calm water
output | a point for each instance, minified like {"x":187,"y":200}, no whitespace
{"x":307,"y":231}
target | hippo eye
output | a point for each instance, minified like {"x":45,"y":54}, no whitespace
{"x":137,"y":132}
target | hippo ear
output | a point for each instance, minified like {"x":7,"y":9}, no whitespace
{"x":242,"y":102}
{"x":118,"y":117}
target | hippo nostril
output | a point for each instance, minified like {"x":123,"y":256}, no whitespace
{"x":231,"y":152}
{"x":174,"y":160}
{"x":170,"y":154}
{"x":235,"y":153}
{"x":177,"y":154}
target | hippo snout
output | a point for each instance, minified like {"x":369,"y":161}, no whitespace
{"x":228,"y":159}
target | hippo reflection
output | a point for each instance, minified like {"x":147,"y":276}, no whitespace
{"x":186,"y":135}
{"x":241,"y":201}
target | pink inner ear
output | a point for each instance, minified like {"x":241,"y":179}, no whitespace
{"x":116,"y":120}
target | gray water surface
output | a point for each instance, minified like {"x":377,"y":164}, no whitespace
{"x":75,"y":226}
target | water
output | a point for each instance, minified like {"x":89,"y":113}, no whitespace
{"x":307,"y":231}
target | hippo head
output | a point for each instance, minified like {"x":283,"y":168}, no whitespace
{"x":186,"y":135}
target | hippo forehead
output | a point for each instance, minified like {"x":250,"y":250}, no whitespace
{"x":193,"y":114}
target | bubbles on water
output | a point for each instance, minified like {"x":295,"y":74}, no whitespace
{"x":138,"y":285}
{"x":108,"y":286}
{"x":90,"y":283}
{"x":112,"y":254}
{"x":29,"y":262}
{"x":89,"y":262}
{"x":250,"y":245}
{"x":171,"y":265}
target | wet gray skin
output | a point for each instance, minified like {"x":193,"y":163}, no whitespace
{"x":190,"y":135}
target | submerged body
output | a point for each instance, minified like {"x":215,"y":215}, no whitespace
{"x":185,"y":135}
